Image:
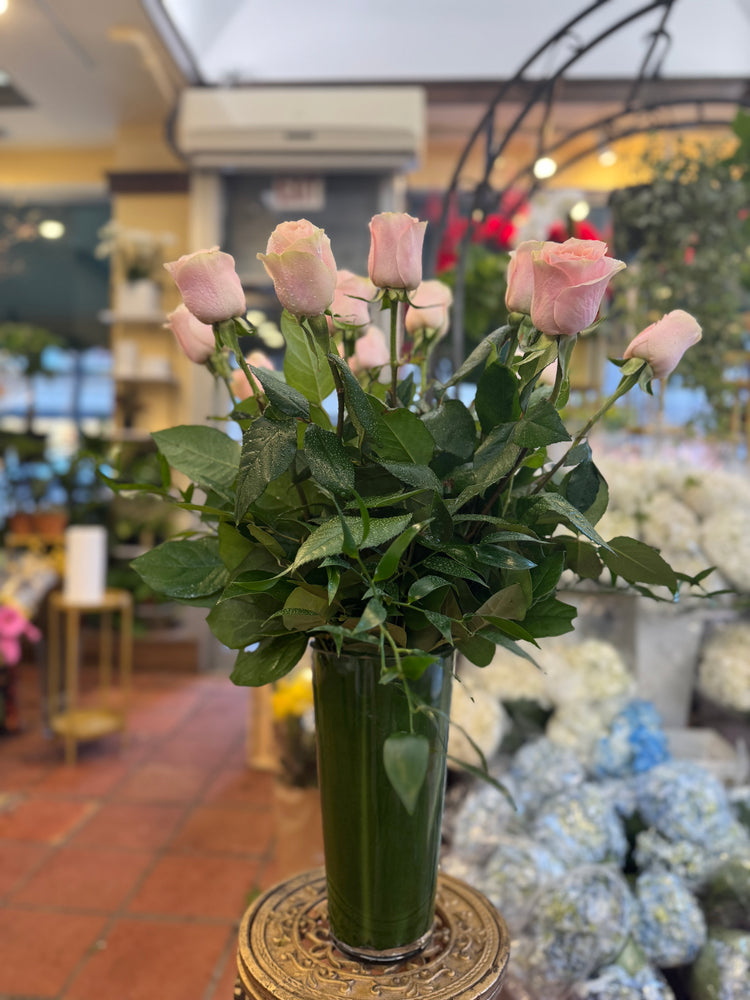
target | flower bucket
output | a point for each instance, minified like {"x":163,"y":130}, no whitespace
{"x":381,"y":860}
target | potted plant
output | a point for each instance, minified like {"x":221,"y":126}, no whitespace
{"x":138,"y":256}
{"x":371,"y":511}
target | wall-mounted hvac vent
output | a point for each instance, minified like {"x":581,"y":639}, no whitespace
{"x":302,"y":128}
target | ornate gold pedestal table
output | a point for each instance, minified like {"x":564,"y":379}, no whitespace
{"x":286,"y":953}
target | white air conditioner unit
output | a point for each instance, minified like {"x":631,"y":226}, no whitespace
{"x":302,"y":128}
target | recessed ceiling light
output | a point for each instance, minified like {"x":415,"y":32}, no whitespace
{"x":607,"y":157}
{"x":50,"y":229}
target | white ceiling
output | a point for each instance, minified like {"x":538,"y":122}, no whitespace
{"x":81,"y":82}
{"x":253,"y":41}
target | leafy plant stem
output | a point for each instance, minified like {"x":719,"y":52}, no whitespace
{"x":626,"y":384}
{"x":397,"y":321}
{"x":339,"y":397}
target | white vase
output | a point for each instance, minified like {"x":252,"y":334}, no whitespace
{"x":140,"y":298}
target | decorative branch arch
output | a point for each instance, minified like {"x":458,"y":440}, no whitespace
{"x":637,"y":115}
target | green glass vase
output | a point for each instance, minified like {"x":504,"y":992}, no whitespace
{"x":381,"y":861}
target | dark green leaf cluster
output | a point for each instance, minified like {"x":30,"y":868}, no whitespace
{"x":407,"y":530}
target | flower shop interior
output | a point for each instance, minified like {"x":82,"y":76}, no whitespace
{"x":152,"y":789}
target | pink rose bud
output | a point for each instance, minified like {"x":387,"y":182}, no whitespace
{"x":209,"y":285}
{"x":429,"y":308}
{"x":195,"y":338}
{"x":520,"y":277}
{"x":299,"y":261}
{"x":370,"y":351}
{"x":395,"y":259}
{"x":663,"y":343}
{"x":570,"y":280}
{"x":241,"y":388}
{"x":348,"y":306}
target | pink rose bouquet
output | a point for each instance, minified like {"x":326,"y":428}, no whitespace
{"x":402,"y":520}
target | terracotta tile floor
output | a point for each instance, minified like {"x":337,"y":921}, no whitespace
{"x":125,"y":876}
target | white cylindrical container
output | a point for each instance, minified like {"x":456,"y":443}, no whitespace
{"x":85,"y":564}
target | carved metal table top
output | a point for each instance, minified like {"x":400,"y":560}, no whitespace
{"x":285,"y":951}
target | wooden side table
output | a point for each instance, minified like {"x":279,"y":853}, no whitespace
{"x":286,"y":953}
{"x":73,"y":723}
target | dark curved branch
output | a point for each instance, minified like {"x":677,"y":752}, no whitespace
{"x":502,"y":91}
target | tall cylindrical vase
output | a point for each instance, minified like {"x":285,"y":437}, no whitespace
{"x":381,"y":860}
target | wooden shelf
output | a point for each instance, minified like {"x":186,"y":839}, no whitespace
{"x":109,"y":316}
{"x":146,"y":378}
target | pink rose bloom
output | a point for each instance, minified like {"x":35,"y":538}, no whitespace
{"x":209,"y":285}
{"x":240,"y":386}
{"x":395,"y":259}
{"x":663,"y":343}
{"x":13,"y":625}
{"x":299,"y":261}
{"x":570,"y":280}
{"x":521,"y":277}
{"x":429,"y":308}
{"x":371,"y":350}
{"x":348,"y":306}
{"x":194,"y":337}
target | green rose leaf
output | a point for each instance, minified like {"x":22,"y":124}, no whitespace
{"x":424,"y":586}
{"x":405,"y":758}
{"x":637,"y":562}
{"x":272,"y":660}
{"x":546,"y":575}
{"x":390,"y":559}
{"x":204,"y":454}
{"x":539,"y":427}
{"x":240,"y":621}
{"x":497,"y":555}
{"x":550,"y":617}
{"x":303,"y":610}
{"x":373,"y":615}
{"x":284,"y":397}
{"x":582,"y":558}
{"x":184,"y":568}
{"x":510,"y":602}
{"x":328,"y":538}
{"x":305,"y":363}
{"x":497,"y":397}
{"x":477,"y":650}
{"x":452,"y":428}
{"x":330,"y":463}
{"x":557,"y":505}
{"x":586,"y":488}
{"x":268,"y":449}
{"x":234,"y":547}
{"x":358,"y":405}
{"x":404,"y":438}
{"x":420,"y":476}
{"x":479,"y":355}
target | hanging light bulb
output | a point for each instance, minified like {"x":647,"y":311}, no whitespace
{"x":607,"y":156}
{"x":580,"y":210}
{"x":545,"y":167}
